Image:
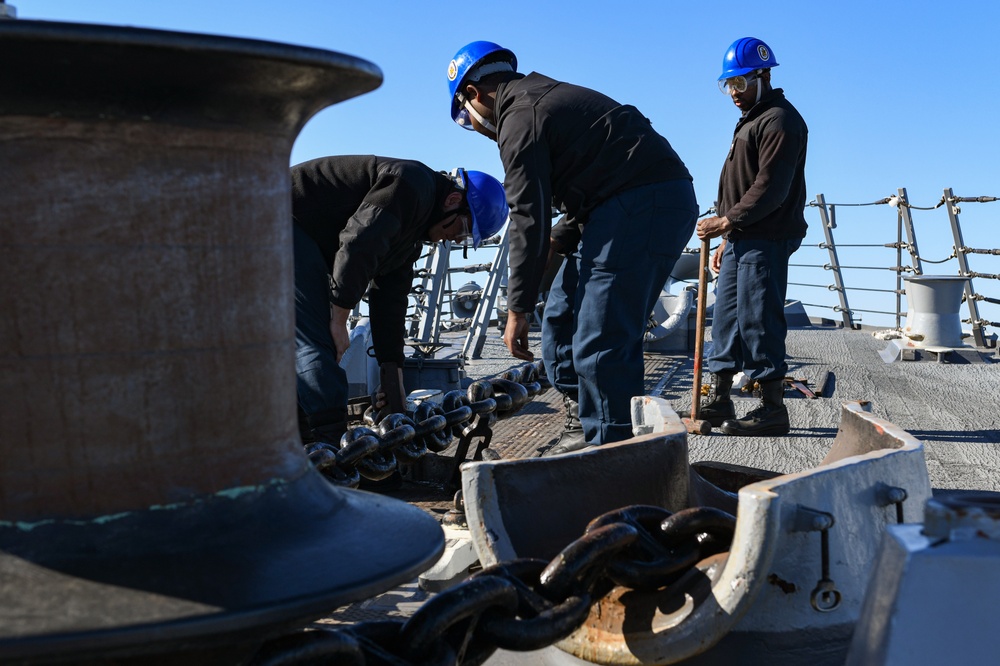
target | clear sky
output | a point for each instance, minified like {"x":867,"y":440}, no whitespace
{"x":895,"y":93}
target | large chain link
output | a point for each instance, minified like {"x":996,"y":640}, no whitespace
{"x":525,"y":604}
{"x":373,"y":451}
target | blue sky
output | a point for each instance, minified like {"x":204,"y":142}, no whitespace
{"x":896,"y":94}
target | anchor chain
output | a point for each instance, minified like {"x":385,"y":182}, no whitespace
{"x":374,"y":451}
{"x":525,"y":604}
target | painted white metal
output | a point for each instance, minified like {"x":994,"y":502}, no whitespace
{"x":653,"y":415}
{"x":869,"y":457}
{"x":362,"y":369}
{"x":475,"y":339}
{"x":761,"y":605}
{"x":934,"y":302}
{"x":531,"y":507}
{"x":670,"y":312}
{"x":429,"y":322}
{"x":932,"y":597}
{"x":453,"y":567}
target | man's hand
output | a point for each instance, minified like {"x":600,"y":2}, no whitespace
{"x":380,"y":401}
{"x":515,"y":335}
{"x":713,"y":227}
{"x":717,"y":256}
{"x":338,"y":330}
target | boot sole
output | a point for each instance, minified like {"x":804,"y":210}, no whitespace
{"x":764,"y":432}
{"x":714,"y":422}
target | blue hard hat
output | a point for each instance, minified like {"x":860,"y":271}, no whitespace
{"x":467,"y":58}
{"x":746,"y":55}
{"x":487,"y":202}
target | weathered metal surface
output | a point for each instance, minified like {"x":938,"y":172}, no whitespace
{"x":941,"y":405}
{"x":933,"y":592}
{"x":762,"y":606}
{"x":531,"y":508}
{"x":146,"y":263}
{"x":154,"y":496}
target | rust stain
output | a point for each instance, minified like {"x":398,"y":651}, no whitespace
{"x":783,"y":585}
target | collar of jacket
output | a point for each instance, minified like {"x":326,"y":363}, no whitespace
{"x":766,"y":102}
{"x":503,"y":90}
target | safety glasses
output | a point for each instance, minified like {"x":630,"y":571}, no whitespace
{"x":737,"y":84}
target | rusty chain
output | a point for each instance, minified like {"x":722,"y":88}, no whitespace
{"x":373,"y":451}
{"x":525,"y":604}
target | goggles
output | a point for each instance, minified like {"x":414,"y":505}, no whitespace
{"x":459,"y":177}
{"x":465,"y":216}
{"x":737,"y":84}
{"x":464,"y":237}
{"x":466,"y":113}
{"x":464,"y":119}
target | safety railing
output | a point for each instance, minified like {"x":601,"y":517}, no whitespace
{"x":436,"y":304}
{"x":851,"y":278}
{"x":855,"y":273}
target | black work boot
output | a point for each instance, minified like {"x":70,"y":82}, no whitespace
{"x":572,"y":437}
{"x":770,"y":419}
{"x":721,"y":407}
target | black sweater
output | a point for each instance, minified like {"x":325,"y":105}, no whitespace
{"x":572,"y":148}
{"x":369,"y":215}
{"x":762,"y":189}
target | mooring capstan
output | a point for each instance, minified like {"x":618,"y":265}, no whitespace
{"x":154,"y":494}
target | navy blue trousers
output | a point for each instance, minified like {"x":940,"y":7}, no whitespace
{"x":321,"y":382}
{"x":598,"y":308}
{"x":748,"y":319}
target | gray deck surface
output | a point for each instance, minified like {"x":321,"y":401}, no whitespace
{"x":953,"y":408}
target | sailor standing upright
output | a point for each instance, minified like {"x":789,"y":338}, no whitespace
{"x":762,"y":196}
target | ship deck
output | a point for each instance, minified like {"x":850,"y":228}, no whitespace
{"x":951,"y":407}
